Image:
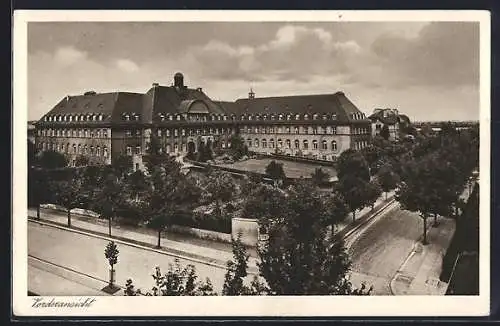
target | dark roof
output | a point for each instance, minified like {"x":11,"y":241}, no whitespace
{"x":390,"y":119}
{"x":336,"y":103}
{"x":228,"y":107}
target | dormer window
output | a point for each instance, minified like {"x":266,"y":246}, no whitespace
{"x":273,"y":117}
{"x":325,"y":117}
{"x":224,"y":117}
{"x":233,"y":117}
{"x":70,"y":118}
{"x":127,"y":117}
{"x":306,"y":116}
{"x":280,"y":117}
{"x":334,"y":117}
{"x":289,"y":117}
{"x":250,"y":117}
{"x":101,"y":117}
{"x":297,"y":117}
{"x":178,"y":117}
{"x":136,"y":117}
{"x":170,"y":118}
{"x":315,"y":116}
{"x":264,"y":117}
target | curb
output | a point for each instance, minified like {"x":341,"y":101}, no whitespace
{"x":127,"y":243}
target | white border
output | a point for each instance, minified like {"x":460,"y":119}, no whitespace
{"x":247,"y":306}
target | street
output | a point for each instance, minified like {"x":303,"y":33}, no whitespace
{"x":383,"y":246}
{"x":85,"y":254}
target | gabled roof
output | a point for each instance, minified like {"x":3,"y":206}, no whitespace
{"x":336,"y":103}
{"x":390,"y":118}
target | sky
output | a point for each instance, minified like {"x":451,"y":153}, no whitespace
{"x":427,"y":70}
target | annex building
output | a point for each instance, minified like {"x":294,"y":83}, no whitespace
{"x":104,"y":125}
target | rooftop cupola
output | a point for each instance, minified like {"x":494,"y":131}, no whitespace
{"x":179,"y":80}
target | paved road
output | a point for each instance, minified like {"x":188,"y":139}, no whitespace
{"x":85,"y":254}
{"x":381,"y":249}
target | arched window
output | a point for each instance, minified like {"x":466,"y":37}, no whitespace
{"x":324,"y":145}
{"x":289,"y":117}
{"x":249,"y":142}
{"x":306,"y":144}
{"x":280,"y":143}
{"x":250,"y":117}
{"x":287,"y":130}
{"x":287,"y":143}
{"x":334,"y":145}
{"x":176,"y":133}
{"x":168,"y":149}
{"x":98,"y":151}
{"x":306,"y":116}
{"x":79,"y":149}
{"x":129,"y":150}
{"x":315,"y":144}
{"x":280,"y":117}
{"x":271,"y":143}
{"x":297,"y":116}
{"x":74,"y":149}
{"x":296,"y":129}
{"x":86,"y":149}
{"x":297,"y":144}
{"x":105,"y":151}
{"x":176,"y":147}
{"x":256,"y":142}
{"x":183,"y":147}
{"x":264,"y":143}
{"x":315,"y":116}
{"x":168,"y":132}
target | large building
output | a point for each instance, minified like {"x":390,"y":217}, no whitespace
{"x":391,"y":118}
{"x":105,"y":125}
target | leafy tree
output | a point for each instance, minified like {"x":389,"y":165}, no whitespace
{"x":275,"y":171}
{"x":67,"y":193}
{"x":52,"y":160}
{"x":137,"y":185}
{"x":319,"y":176}
{"x":355,"y":192}
{"x":387,"y":178}
{"x":32,"y":154}
{"x":221,"y":188}
{"x":337,"y":210}
{"x":155,"y":155}
{"x":236,"y":271}
{"x":263,"y":203}
{"x":352,"y":163}
{"x":178,"y":281}
{"x":121,"y":165}
{"x":297,"y":258}
{"x":160,"y":219}
{"x":373,"y":191}
{"x":385,"y":133}
{"x":201,"y":154}
{"x":82,"y":160}
{"x":109,"y":199}
{"x":91,"y":181}
{"x":40,"y":188}
{"x":111,"y":253}
{"x":238,"y":147}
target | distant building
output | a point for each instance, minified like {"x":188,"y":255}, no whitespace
{"x":104,"y":125}
{"x":391,"y":118}
{"x":31,"y":131}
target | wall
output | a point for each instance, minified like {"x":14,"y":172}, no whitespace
{"x":249,"y":229}
{"x":202,"y":234}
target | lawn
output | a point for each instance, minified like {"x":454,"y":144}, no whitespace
{"x":292,"y":169}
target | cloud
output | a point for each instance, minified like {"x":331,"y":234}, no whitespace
{"x":68,"y":55}
{"x":127,"y":65}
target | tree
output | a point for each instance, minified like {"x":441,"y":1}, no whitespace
{"x":178,"y":281}
{"x":52,"y":160}
{"x":319,"y":176}
{"x":82,"y":160}
{"x":67,"y":193}
{"x":355,"y":193}
{"x":121,"y":165}
{"x":221,"y":188}
{"x":136,"y":185}
{"x":40,"y":188}
{"x":372,"y":192}
{"x":387,"y":179}
{"x":352,"y":163}
{"x":109,"y":199}
{"x":91,"y":181}
{"x":32,"y":154}
{"x":160,"y":219}
{"x":298,"y":258}
{"x":385,"y":133}
{"x":337,"y":210}
{"x":275,"y":171}
{"x":111,"y":253}
{"x":201,"y":155}
{"x":155,"y":155}
{"x":238,"y":147}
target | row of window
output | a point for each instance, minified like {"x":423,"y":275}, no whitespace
{"x":92,"y":133}
{"x":288,"y":130}
{"x":192,"y":132}
{"x":288,"y":144}
{"x":75,"y":149}
{"x":168,"y":148}
{"x":288,"y":116}
{"x":76,"y":117}
{"x":360,"y":144}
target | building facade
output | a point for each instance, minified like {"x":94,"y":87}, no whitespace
{"x":106,"y":125}
{"x":390,"y":118}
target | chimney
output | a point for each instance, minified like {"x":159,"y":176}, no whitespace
{"x":155,"y":85}
{"x":251,"y":94}
{"x":179,"y":80}
{"x":199,"y":89}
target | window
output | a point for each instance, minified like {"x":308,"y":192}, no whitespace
{"x":287,"y":129}
{"x":183,"y":147}
{"x":289,"y":117}
{"x":91,"y":150}
{"x":271,"y":143}
{"x":98,"y":151}
{"x":74,"y":149}
{"x":137,"y":149}
{"x":167,"y":148}
{"x":176,"y":147}
{"x":256,"y":142}
{"x":79,"y":148}
{"x":85,"y":149}
{"x":168,"y":132}
{"x":86,"y":133}
{"x":323,"y":130}
{"x":334,"y":145}
{"x":296,"y":130}
{"x":297,"y":117}
{"x":105,"y":133}
{"x":191,"y":132}
{"x":178,"y":117}
{"x":105,"y":152}
{"x":91,"y":133}
{"x":280,"y":143}
{"x":333,"y":130}
{"x":324,"y":145}
{"x":306,"y":130}
{"x":315,"y":144}
{"x":264,"y":143}
{"x":297,"y":144}
{"x":249,"y":142}
{"x":315,"y":130}
{"x":306,"y":144}
{"x":137,"y":132}
{"x":271,"y":130}
{"x":176,"y":133}
{"x":306,"y":116}
{"x":280,"y":130}
{"x":128,"y":133}
{"x":315,"y":116}
{"x":159,"y":132}
{"x":129,"y":150}
{"x":183,"y":132}
{"x":280,"y":117}
{"x":287,"y":143}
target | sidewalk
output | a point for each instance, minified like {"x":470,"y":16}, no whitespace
{"x":185,"y":249}
{"x":419,"y":274}
{"x":178,"y":248}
